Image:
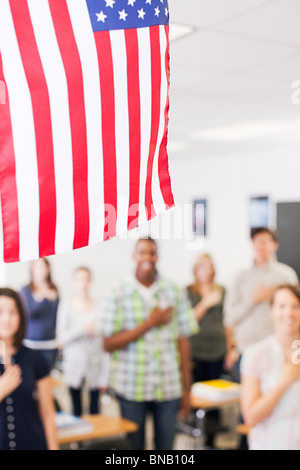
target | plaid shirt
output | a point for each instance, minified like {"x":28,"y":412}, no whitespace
{"x":149,"y":368}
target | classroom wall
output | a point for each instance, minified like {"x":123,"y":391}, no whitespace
{"x":226,"y":182}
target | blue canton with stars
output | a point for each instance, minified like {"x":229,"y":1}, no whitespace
{"x":127,"y":14}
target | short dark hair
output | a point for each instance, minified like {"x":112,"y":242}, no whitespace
{"x":147,"y":239}
{"x":293,"y":288}
{"x":20,"y":335}
{"x":258,"y":230}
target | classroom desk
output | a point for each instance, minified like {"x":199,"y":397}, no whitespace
{"x":103,"y":427}
{"x":201,"y":406}
{"x":202,"y":403}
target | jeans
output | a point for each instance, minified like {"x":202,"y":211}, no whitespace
{"x":164,"y":419}
{"x":237,"y":370}
{"x":77,"y":401}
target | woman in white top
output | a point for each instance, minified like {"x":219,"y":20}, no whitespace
{"x":79,"y":334}
{"x":270,"y":398}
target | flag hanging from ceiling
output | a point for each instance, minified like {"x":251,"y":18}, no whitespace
{"x":83,"y":123}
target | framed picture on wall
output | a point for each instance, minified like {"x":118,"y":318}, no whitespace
{"x":259,"y":212}
{"x":199,"y":217}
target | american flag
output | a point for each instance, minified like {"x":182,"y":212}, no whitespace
{"x":83,"y":131}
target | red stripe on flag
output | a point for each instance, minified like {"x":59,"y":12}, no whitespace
{"x":42,"y":122}
{"x":163,"y":165}
{"x":72,"y":65}
{"x":105,"y":60}
{"x":134,"y":111}
{"x":8,"y":185}
{"x":155,"y":114}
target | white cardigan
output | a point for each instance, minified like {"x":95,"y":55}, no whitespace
{"x":84,"y":360}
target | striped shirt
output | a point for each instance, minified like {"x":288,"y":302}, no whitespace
{"x":149,"y":368}
{"x":281,"y":430}
{"x":83,"y":135}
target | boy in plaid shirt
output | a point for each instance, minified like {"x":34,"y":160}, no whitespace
{"x":147,"y":324}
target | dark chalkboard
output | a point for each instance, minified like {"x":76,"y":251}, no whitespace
{"x":288,"y":227}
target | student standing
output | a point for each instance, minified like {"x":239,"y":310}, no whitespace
{"x":79,"y":333}
{"x":208,"y":347}
{"x":26,"y":406}
{"x":40,"y":299}
{"x":247,"y":303}
{"x":147,"y":324}
{"x":271,"y":378}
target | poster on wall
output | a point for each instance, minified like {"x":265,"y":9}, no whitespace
{"x":199,"y":217}
{"x":259,"y":212}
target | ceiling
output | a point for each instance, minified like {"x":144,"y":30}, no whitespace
{"x":237,"y":66}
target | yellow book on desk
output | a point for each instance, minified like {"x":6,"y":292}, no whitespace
{"x":216,"y":390}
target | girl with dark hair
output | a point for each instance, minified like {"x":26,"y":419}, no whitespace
{"x":26,"y":406}
{"x":40,"y":299}
{"x":271,"y":378}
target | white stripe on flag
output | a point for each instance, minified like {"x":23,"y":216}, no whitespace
{"x":145,"y":98}
{"x":60,"y":120}
{"x":158,"y":201}
{"x":119,"y":56}
{"x":91,"y":81}
{"x":23,"y":135}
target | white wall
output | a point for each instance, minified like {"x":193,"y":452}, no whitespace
{"x":226,"y":182}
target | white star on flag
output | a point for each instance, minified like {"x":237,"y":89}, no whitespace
{"x":141,"y":13}
{"x":110,"y":3}
{"x":166,"y":11}
{"x":131,"y":2}
{"x":83,"y":135}
{"x":101,"y":17}
{"x":123,"y":15}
